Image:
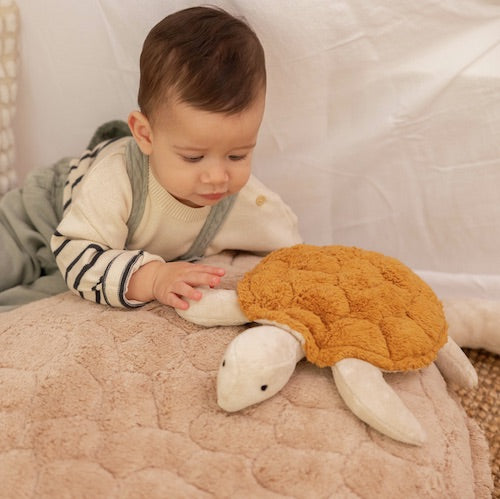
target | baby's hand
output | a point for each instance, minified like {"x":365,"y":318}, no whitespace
{"x":174,"y":281}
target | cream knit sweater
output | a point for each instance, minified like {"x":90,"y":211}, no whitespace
{"x":89,"y":243}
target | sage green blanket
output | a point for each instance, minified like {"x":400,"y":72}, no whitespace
{"x":29,"y":216}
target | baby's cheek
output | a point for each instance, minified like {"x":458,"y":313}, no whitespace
{"x":242,"y":177}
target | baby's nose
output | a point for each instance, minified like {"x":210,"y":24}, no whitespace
{"x":215,"y":174}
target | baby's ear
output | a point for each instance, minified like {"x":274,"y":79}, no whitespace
{"x":141,"y":130}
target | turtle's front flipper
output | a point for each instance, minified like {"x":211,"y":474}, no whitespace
{"x":369,"y":397}
{"x":455,"y":366}
{"x":217,"y":307}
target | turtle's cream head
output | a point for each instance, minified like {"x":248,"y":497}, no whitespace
{"x":257,"y":364}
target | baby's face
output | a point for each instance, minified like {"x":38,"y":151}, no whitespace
{"x":200,"y":157}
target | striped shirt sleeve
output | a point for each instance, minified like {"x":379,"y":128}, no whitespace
{"x":89,"y":243}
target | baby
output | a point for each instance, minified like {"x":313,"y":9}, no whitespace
{"x":138,"y":211}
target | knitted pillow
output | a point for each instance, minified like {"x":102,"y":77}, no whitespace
{"x":9,"y":31}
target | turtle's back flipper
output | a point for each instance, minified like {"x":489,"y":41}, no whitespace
{"x":455,"y":366}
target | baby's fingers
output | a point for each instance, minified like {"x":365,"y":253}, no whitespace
{"x":208,"y":269}
{"x":199,"y":278}
{"x":176,"y":301}
{"x":180,"y":294}
{"x":185,"y":290}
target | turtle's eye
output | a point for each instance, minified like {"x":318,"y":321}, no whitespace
{"x":263,"y":388}
{"x":223,"y":362}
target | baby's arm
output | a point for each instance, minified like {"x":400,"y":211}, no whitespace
{"x":90,"y":249}
{"x":127,"y":278}
{"x":170,"y":282}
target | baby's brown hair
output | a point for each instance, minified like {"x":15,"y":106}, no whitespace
{"x":204,"y":57}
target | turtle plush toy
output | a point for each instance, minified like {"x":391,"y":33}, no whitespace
{"x":356,"y":311}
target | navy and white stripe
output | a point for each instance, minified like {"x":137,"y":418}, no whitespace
{"x":91,"y":269}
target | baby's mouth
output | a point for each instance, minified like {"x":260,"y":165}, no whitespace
{"x":213,"y":196}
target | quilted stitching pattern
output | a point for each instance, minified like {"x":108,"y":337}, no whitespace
{"x":347,"y":302}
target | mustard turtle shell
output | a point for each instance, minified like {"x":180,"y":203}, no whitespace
{"x":347,"y":302}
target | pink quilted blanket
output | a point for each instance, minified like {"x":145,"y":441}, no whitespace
{"x":105,"y":403}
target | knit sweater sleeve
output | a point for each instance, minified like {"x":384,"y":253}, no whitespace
{"x":89,"y":243}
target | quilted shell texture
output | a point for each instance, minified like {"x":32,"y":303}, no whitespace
{"x":347,"y":302}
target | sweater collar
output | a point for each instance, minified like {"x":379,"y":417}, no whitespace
{"x":163,"y":200}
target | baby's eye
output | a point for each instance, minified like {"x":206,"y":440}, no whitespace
{"x":192,"y":159}
{"x":234,"y":157}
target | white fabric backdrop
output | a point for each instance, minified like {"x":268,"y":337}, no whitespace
{"x":382,"y":124}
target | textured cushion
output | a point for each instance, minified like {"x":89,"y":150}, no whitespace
{"x":111,"y":403}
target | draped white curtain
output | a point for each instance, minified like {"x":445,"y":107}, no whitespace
{"x":382,"y":126}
